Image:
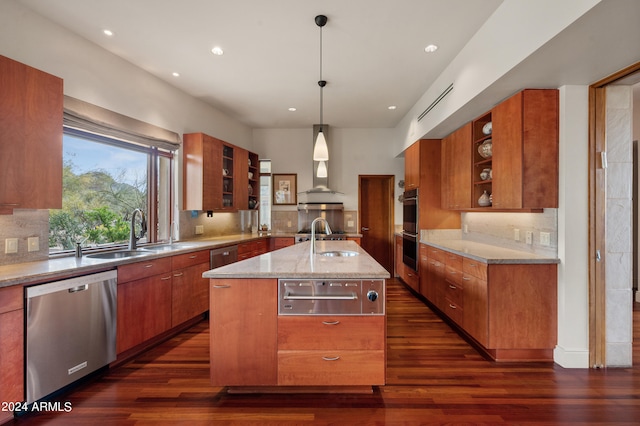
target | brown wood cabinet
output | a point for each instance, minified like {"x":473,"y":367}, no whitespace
{"x":405,"y":273}
{"x":508,"y":309}
{"x":189,"y":290}
{"x":144,"y":302}
{"x":281,"y":242}
{"x":243,"y":332}
{"x":252,"y":248}
{"x":525,"y":150}
{"x":331,"y":351}
{"x":215,"y":174}
{"x":11,"y":347}
{"x":456,"y":169}
{"x":423,"y":169}
{"x":30,"y":138}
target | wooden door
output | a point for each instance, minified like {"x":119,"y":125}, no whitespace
{"x":376,"y":219}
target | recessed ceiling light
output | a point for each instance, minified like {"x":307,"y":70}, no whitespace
{"x":431,"y":48}
{"x":217,"y":51}
{"x":176,"y":74}
{"x":292,"y":109}
{"x":391,"y":107}
{"x":108,"y":33}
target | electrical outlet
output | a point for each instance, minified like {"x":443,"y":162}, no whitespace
{"x":288,"y":224}
{"x":350,"y":223}
{"x":516,"y":235}
{"x":545,"y":239}
{"x":529,"y":237}
{"x":11,"y":245}
{"x":465,"y":228}
{"x":199,"y":229}
{"x":33,"y":244}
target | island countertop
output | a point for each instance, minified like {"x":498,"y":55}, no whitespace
{"x":296,"y":262}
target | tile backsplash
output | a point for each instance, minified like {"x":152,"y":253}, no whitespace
{"x":21,"y":225}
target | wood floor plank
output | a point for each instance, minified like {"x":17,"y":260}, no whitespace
{"x":433,"y":377}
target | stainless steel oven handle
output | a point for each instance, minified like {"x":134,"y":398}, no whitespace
{"x":351,"y":296}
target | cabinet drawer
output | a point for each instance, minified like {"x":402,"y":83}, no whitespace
{"x":453,"y":275}
{"x":189,"y":259}
{"x":453,"y":260}
{"x":338,"y":332}
{"x":453,"y":311}
{"x":331,"y":368}
{"x":475,"y":268}
{"x":11,"y":298}
{"x":135,"y":271}
{"x":436,"y":254}
{"x":454,"y":293}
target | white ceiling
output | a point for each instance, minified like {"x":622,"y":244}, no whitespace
{"x":373,"y":52}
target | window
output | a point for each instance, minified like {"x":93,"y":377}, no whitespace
{"x":104,"y":181}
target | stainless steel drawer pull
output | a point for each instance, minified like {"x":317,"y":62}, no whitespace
{"x":79,"y":288}
{"x":452,"y":306}
{"x":452,"y":287}
{"x":179,"y":274}
{"x":149,"y":265}
{"x":331,"y":322}
{"x":166,"y":278}
{"x":351,"y":296}
{"x":221,"y":286}
{"x":330,"y":358}
{"x":193,"y":257}
{"x":466,"y":278}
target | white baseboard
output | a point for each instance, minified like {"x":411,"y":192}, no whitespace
{"x":571,"y":358}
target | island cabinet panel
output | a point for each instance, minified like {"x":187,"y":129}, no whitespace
{"x":281,"y":242}
{"x":244,"y":335}
{"x":189,"y":290}
{"x":31,"y":137}
{"x":11,"y":347}
{"x":331,"y":332}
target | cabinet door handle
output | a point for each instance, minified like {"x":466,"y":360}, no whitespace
{"x":221,"y":286}
{"x":149,"y":265}
{"x":179,"y":274}
{"x":166,"y":278}
{"x":331,"y":322}
{"x":466,"y":278}
{"x":193,"y":257}
{"x":452,"y":306}
{"x":453,"y":287}
{"x":330,"y":358}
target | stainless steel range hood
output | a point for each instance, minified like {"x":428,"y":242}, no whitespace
{"x":321,"y":185}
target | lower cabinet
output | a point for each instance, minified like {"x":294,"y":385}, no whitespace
{"x":144,"y":302}
{"x":331,"y":351}
{"x":11,"y":347}
{"x":509,"y":309}
{"x":189,"y":290}
{"x":252,"y":248}
{"x":243,"y":332}
{"x":281,"y":242}
{"x":406,"y":274}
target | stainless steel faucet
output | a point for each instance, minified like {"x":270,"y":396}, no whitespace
{"x":327,"y":229}
{"x":132,"y":232}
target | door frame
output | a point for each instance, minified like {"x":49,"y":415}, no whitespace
{"x":390,"y":179}
{"x":597,"y":215}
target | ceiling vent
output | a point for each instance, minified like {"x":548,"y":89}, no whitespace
{"x":436,"y":102}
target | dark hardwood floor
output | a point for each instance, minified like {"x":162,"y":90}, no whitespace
{"x":433,"y":377}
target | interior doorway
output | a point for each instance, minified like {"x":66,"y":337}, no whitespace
{"x":611,"y":239}
{"x":375,"y":217}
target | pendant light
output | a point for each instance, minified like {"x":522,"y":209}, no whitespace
{"x":322,"y":169}
{"x":320,"y":150}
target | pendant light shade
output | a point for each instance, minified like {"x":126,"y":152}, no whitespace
{"x":322,"y":170}
{"x":320,"y":149}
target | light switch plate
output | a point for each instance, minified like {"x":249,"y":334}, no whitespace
{"x":33,"y":244}
{"x":199,"y":229}
{"x":529,"y":237}
{"x":11,"y":245}
{"x":516,"y":235}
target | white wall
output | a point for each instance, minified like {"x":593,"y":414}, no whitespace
{"x":353,"y":152}
{"x":573,"y":226}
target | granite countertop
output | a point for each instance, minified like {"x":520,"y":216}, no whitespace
{"x":487,"y":253}
{"x":70,"y":266}
{"x":296,"y":262}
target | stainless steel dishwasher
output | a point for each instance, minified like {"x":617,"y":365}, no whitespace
{"x":71,"y":331}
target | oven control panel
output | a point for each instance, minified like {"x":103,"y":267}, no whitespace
{"x":330,"y":297}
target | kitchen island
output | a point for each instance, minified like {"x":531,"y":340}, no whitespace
{"x":294,"y":321}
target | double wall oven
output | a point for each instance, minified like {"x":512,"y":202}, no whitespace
{"x":410,"y":231}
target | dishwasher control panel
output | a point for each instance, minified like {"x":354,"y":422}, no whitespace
{"x":330,"y":297}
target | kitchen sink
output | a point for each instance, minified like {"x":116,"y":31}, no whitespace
{"x":120,"y":254}
{"x":339,"y":253}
